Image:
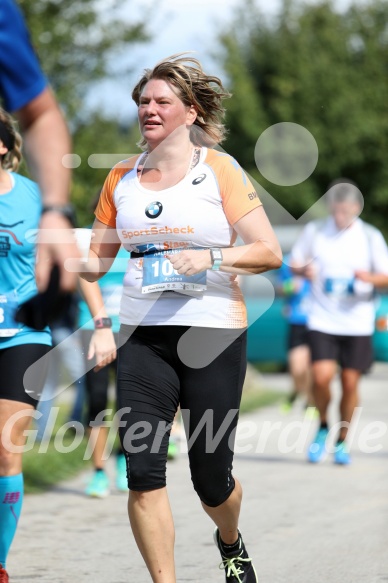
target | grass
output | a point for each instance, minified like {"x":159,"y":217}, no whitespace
{"x":253,"y":400}
{"x":43,"y":469}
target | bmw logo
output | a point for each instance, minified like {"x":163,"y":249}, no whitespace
{"x":154,"y":209}
{"x":199,"y":179}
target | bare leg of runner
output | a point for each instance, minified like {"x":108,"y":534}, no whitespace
{"x":15,"y":419}
{"x":226,"y":515}
{"x":12,"y":433}
{"x":323,"y":374}
{"x":350,"y":379}
{"x":98,"y":438}
{"x":299,"y":364}
{"x":153,"y":528}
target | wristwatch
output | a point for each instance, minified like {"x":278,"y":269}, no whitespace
{"x":66,"y":210}
{"x":102,"y":323}
{"x":216,"y":257}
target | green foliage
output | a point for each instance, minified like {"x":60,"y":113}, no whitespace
{"x":253,"y":400}
{"x":44,"y":466}
{"x":78,"y":44}
{"x":326,"y":71}
{"x":97,"y":138}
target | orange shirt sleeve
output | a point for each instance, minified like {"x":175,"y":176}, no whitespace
{"x":106,"y":210}
{"x":238,"y":194}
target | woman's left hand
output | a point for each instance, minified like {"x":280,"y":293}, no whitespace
{"x":190,"y":261}
{"x":103,"y":347}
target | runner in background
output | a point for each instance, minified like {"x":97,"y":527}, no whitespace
{"x":20,"y":347}
{"x":296,"y":291}
{"x":103,"y":327}
{"x":346,"y":260}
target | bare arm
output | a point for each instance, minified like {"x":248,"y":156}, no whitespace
{"x":376,"y":279}
{"x":102,"y":344}
{"x":46,"y":142}
{"x":260,"y":253}
{"x":104,"y":247}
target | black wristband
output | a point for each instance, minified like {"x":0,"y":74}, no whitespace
{"x":66,"y":210}
{"x":102,"y":323}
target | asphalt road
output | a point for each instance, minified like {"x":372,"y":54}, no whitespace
{"x":302,"y":523}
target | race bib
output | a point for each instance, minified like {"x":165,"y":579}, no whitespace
{"x":160,"y":276}
{"x":8,"y":306}
{"x":339,"y":286}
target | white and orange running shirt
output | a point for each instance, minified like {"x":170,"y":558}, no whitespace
{"x":198,"y":212}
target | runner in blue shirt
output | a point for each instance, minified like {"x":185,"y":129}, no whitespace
{"x":20,"y":347}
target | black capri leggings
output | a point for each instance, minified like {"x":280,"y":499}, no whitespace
{"x":97,"y":382}
{"x":203,"y":370}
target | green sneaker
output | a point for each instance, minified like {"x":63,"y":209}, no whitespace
{"x":121,"y":473}
{"x":98,"y":486}
{"x":286,"y":407}
{"x":238,"y":568}
{"x":288,"y":404}
{"x":311,"y":413}
{"x":172,"y":451}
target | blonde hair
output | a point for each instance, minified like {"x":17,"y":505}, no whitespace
{"x":12,"y":159}
{"x":195,"y":88}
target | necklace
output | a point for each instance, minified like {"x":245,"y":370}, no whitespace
{"x":195,"y":156}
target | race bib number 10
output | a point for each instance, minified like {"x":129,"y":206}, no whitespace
{"x":160,"y":276}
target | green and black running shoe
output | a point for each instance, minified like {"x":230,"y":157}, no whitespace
{"x":238,"y":568}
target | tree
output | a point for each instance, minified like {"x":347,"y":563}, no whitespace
{"x":326,"y":71}
{"x":99,"y":143}
{"x":77,"y":44}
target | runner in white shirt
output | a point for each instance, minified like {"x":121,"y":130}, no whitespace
{"x":346,"y":259}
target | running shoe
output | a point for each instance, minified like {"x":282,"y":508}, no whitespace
{"x":172,"y":451}
{"x":98,"y":486}
{"x":238,"y":568}
{"x":286,"y":407}
{"x":121,"y":473}
{"x":289,"y":402}
{"x":317,"y":450}
{"x":341,"y":454}
{"x":311,"y":412}
{"x":3,"y":575}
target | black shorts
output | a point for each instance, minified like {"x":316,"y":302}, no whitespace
{"x":355,"y":352}
{"x":162,"y":367}
{"x":298,"y":336}
{"x":14,"y":362}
